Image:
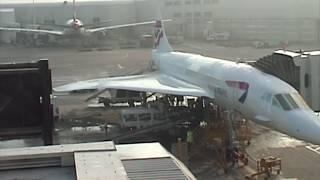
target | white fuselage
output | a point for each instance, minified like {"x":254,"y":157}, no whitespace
{"x":74,"y":28}
{"x":227,"y":82}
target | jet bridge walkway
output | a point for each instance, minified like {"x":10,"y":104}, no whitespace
{"x":280,"y":66}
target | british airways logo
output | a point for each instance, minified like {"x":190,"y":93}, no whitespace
{"x":158,"y":33}
{"x":243,"y":86}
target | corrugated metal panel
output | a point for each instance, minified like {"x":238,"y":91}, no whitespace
{"x":99,"y":165}
{"x":158,"y":168}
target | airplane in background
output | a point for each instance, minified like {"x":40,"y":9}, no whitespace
{"x":258,"y":96}
{"x":74,"y":28}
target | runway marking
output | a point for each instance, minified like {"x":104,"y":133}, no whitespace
{"x":314,"y":148}
{"x":120,"y":67}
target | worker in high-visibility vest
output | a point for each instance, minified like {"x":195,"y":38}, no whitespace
{"x":189,"y":136}
{"x":189,"y":139}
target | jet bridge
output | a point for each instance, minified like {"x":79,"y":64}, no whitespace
{"x":281,"y":66}
{"x":299,"y":69}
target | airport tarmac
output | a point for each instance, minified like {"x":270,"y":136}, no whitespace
{"x":299,"y":159}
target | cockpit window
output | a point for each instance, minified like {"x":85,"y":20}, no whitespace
{"x":275,"y":102}
{"x":284,"y":104}
{"x":289,"y":101}
{"x":301,"y":103}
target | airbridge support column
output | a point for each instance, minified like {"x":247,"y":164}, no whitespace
{"x":230,"y":119}
{"x":46,"y":106}
{"x":239,"y":132}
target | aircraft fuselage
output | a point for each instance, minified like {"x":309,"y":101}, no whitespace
{"x":74,"y":29}
{"x":260,"y":97}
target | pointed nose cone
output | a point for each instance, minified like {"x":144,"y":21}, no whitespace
{"x":307,"y":126}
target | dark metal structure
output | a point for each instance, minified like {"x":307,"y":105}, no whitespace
{"x":25,"y":107}
{"x":280,"y":66}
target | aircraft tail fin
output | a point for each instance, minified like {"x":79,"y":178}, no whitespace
{"x":74,"y":16}
{"x":161,"y":42}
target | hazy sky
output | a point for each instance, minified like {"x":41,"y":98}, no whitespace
{"x":238,"y":8}
{"x":46,"y":1}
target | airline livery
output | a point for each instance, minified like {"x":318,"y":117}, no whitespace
{"x":258,"y":96}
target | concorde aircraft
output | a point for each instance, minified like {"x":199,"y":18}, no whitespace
{"x":74,"y":28}
{"x":258,"y":96}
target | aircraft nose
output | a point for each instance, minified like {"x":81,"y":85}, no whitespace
{"x":307,"y":126}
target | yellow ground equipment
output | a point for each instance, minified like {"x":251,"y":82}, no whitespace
{"x":266,"y":166}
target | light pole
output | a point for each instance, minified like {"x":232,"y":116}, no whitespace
{"x":33,"y":14}
{"x":318,"y":21}
{"x":192,"y":18}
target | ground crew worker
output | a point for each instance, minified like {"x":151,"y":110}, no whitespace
{"x":189,"y":139}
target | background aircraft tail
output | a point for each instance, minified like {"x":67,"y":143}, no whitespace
{"x":161,"y":42}
{"x":74,"y":10}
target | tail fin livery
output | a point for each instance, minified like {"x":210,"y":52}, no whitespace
{"x":161,"y":42}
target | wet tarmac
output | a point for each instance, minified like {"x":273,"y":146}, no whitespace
{"x":69,"y":65}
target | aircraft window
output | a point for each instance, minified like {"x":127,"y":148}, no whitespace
{"x":299,"y":100}
{"x":275,"y":102}
{"x":291,"y":101}
{"x":284,"y":104}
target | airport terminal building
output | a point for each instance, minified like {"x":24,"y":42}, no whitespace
{"x":272,"y":20}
